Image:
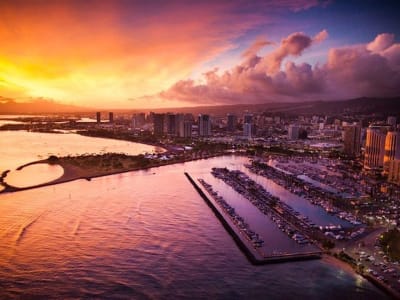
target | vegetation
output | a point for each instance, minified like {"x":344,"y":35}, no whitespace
{"x":145,"y":137}
{"x":53,"y":159}
{"x":327,"y":244}
{"x":346,"y":258}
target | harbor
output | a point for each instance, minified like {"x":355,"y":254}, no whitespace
{"x":251,"y":241}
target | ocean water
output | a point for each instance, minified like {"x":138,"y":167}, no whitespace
{"x":20,"y":147}
{"x":144,"y":235}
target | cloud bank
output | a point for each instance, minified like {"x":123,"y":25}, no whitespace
{"x":371,"y":69}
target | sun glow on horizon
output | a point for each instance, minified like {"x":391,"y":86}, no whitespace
{"x":132,"y":54}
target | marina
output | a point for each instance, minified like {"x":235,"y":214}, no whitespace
{"x":313,"y":194}
{"x":252,"y":244}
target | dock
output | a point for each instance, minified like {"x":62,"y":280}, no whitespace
{"x":253,"y":254}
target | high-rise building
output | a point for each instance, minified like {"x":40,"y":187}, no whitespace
{"x":293,"y":132}
{"x":98,"y":117}
{"x":391,"y":120}
{"x":248,"y":118}
{"x":248,"y":125}
{"x":247,"y":130}
{"x":231,"y":123}
{"x":171,"y":124}
{"x":111,"y":117}
{"x":184,"y":125}
{"x":392,"y":149}
{"x":186,"y":129}
{"x":375,"y":147}
{"x":394,"y":171}
{"x":158,"y":121}
{"x":204,"y":125}
{"x":138,"y":120}
{"x":352,"y":139}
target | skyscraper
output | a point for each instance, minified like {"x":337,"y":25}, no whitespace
{"x":186,"y":129}
{"x":158,"y":121}
{"x":98,"y":117}
{"x":138,"y":120}
{"x":352,"y":139}
{"x":204,"y":125}
{"x":293,"y":132}
{"x":248,"y":126}
{"x":247,"y":130}
{"x":392,"y":149}
{"x":375,"y":147}
{"x":111,"y":117}
{"x":394,"y":171}
{"x":231,"y":123}
{"x":172,"y":126}
{"x":248,"y":118}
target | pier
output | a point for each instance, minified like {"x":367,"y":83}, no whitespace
{"x":254,"y":254}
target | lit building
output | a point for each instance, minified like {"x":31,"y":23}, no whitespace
{"x":231,"y":123}
{"x":352,"y":139}
{"x":98,"y":117}
{"x":293,"y":132}
{"x":392,"y":149}
{"x":158,"y":121}
{"x":204,"y":125}
{"x":375,"y":147}
{"x":394,"y":171}
{"x":111,"y":117}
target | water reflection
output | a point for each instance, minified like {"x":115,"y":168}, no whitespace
{"x":143,"y":235}
{"x":21,"y":147}
{"x":34,"y":174}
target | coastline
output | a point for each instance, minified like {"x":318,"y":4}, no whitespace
{"x":72,"y":173}
{"x":337,"y":262}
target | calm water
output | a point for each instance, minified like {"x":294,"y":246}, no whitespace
{"x":275,"y":240}
{"x":34,"y":175}
{"x":144,"y":235}
{"x":21,"y":147}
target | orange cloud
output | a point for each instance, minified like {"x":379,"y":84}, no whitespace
{"x":91,"y":52}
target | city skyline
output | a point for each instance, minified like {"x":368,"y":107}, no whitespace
{"x":131,"y":54}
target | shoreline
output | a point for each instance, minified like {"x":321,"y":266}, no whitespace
{"x":337,"y":262}
{"x":71,"y":173}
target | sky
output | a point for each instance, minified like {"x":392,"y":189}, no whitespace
{"x":154,"y":54}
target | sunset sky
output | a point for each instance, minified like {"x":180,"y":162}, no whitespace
{"x":148,"y":54}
